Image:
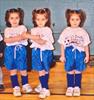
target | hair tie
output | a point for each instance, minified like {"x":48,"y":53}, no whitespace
{"x":40,"y":9}
{"x":78,"y":10}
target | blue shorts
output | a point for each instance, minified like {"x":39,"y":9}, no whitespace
{"x":41,"y":60}
{"x":15,"y":57}
{"x":74,"y":59}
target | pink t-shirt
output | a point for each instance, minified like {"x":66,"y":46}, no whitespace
{"x":76,"y":37}
{"x":46,"y":34}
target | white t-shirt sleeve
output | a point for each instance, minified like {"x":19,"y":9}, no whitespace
{"x":50,"y":36}
{"x":1,"y":38}
{"x":32,"y":31}
{"x":6,"y":33}
{"x":60,"y":40}
{"x":86,"y":39}
{"x":23,"y":28}
{"x":61,"y":37}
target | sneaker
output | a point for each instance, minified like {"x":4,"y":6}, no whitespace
{"x":44,"y":93}
{"x":69,"y":91}
{"x":16,"y":91}
{"x":38,"y":89}
{"x":76,"y":91}
{"x":27,"y":88}
{"x":1,"y":87}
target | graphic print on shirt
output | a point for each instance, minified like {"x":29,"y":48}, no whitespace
{"x":74,"y":40}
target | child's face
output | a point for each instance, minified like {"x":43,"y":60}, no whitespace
{"x":41,"y":20}
{"x":75,"y":20}
{"x":14,"y":19}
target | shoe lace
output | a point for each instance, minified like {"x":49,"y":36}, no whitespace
{"x":69,"y":90}
{"x":42,"y":92}
{"x":28,"y":86}
{"x":76,"y":90}
{"x":16,"y":90}
{"x":38,"y":87}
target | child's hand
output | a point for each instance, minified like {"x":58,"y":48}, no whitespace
{"x":25,"y":35}
{"x":42,"y":42}
{"x":1,"y":54}
{"x":62,"y":59}
{"x":36,"y":37}
{"x":86,"y":60}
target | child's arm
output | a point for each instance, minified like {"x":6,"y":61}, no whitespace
{"x":62,"y":58}
{"x":35,"y":38}
{"x":13,"y":39}
{"x":2,"y":46}
{"x":41,"y":41}
{"x":27,"y":35}
{"x":87,"y":54}
{"x":1,"y":54}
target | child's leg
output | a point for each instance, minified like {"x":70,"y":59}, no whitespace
{"x":47,"y":79}
{"x":80,"y":66}
{"x":70,"y":79}
{"x":15,"y":84}
{"x":44,"y":83}
{"x":24,"y":77}
{"x":25,"y":86}
{"x":14,"y":78}
{"x":1,"y":76}
{"x":1,"y":80}
{"x":78,"y":78}
{"x":70,"y":83}
{"x":47,"y":58}
{"x":42,"y":78}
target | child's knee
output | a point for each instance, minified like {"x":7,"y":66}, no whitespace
{"x":71,"y":72}
{"x":23,"y":72}
{"x":13,"y":72}
{"x":42,"y":73}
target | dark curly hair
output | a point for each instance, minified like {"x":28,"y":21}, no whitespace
{"x":13,"y":10}
{"x":79,"y":12}
{"x":45,"y":11}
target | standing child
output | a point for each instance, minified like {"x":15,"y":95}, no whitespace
{"x":1,"y":62}
{"x":74,"y":42}
{"x":42,"y":48}
{"x":15,"y":51}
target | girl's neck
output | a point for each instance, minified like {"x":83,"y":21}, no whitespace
{"x":74,"y":27}
{"x":41,"y":26}
{"x":15,"y":26}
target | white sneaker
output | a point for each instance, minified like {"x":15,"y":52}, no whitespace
{"x":69,"y":91}
{"x":44,"y":93}
{"x":76,"y":91}
{"x":38,"y":89}
{"x":16,"y":91}
{"x":27,"y":88}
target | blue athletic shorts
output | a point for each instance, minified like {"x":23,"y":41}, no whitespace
{"x":74,"y":59}
{"x":15,"y":57}
{"x":41,"y":60}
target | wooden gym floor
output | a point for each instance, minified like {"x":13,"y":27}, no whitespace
{"x":57,"y":85}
